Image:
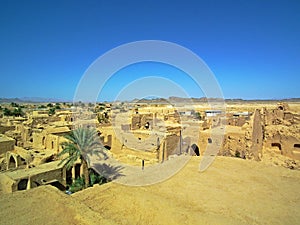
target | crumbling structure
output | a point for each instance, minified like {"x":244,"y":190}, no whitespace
{"x":148,"y":133}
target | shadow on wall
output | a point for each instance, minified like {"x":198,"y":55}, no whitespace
{"x":108,"y":171}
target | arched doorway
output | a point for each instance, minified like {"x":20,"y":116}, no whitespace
{"x":209,"y":140}
{"x":77,"y":171}
{"x":276,"y":145}
{"x":12,"y":163}
{"x":147,"y":125}
{"x":43,"y":141}
{"x":280,"y":107}
{"x":69,"y":176}
{"x":107,"y":147}
{"x":195,"y":150}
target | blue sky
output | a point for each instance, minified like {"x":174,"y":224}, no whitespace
{"x":252,"y":47}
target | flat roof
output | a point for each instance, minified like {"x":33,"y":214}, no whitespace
{"x":57,"y":130}
{"x":4,"y":138}
{"x":21,"y":173}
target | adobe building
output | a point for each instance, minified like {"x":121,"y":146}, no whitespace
{"x":4,"y":128}
{"x":237,"y":118}
{"x":151,"y":133}
{"x":50,"y":138}
{"x":171,"y":144}
{"x":6,"y":144}
{"x":142,"y":121}
{"x":49,"y":173}
{"x":241,"y":137}
{"x":282,"y":131}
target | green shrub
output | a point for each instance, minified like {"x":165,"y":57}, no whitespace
{"x":77,"y":185}
{"x":51,"y":111}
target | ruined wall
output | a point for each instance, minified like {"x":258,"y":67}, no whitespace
{"x":204,"y":140}
{"x":282,"y":132}
{"x":14,"y":160}
{"x":3,"y":129}
{"x":234,"y":144}
{"x":236,"y":121}
{"x":243,"y":138}
{"x":6,"y":144}
{"x":6,"y":184}
{"x":44,"y":140}
{"x":173,"y":117}
{"x":108,"y":137}
{"x":25,"y":133}
{"x":257,"y":135}
{"x":206,"y":125}
{"x":169,"y":146}
{"x":278,"y":115}
{"x":172,"y":144}
{"x":135,"y":122}
{"x":41,"y":178}
{"x":147,"y":121}
{"x":139,"y":121}
{"x":11,"y":181}
{"x":283,"y":144}
{"x":107,"y":141}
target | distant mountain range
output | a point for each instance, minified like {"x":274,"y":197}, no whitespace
{"x":204,"y":99}
{"x":31,"y":100}
{"x":145,"y":100}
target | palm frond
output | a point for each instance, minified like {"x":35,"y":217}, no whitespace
{"x":81,"y":143}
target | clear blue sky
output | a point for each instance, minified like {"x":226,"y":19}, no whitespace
{"x":252,"y":47}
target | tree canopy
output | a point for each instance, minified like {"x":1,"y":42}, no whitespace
{"x":82,"y":143}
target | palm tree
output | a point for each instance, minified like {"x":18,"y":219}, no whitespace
{"x":81,"y":144}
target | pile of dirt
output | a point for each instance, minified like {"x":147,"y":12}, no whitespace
{"x":45,"y":205}
{"x":230,"y":191}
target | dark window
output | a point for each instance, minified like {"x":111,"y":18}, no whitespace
{"x":195,"y":149}
{"x":278,"y":145}
{"x":22,"y":185}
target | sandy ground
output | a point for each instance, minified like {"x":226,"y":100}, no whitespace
{"x":231,"y":191}
{"x":44,"y":205}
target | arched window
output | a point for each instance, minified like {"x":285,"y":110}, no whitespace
{"x":195,"y":150}
{"x":12,"y":163}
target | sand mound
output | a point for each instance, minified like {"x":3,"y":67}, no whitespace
{"x":231,"y":191}
{"x":45,"y":205}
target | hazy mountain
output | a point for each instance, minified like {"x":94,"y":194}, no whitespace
{"x":31,"y":100}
